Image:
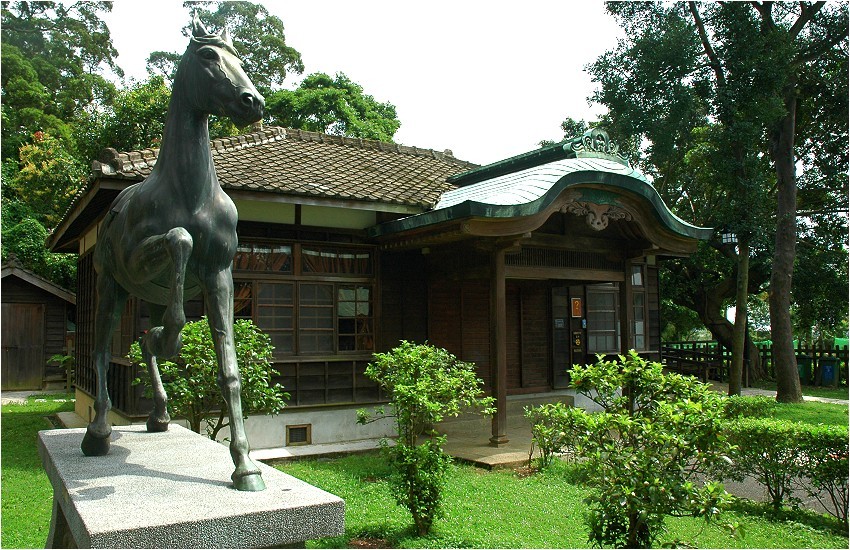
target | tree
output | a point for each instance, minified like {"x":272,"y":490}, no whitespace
{"x":47,"y":179}
{"x":136,"y":118}
{"x":335,"y":106}
{"x":739,"y":68}
{"x":53,"y":54}
{"x":648,"y":452}
{"x":191,"y":381}
{"x":425,"y":384}
{"x":23,"y":238}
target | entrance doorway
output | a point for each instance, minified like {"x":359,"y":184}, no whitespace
{"x":23,"y":346}
{"x":569,"y":331}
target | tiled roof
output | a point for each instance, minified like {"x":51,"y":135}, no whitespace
{"x":297,"y":162}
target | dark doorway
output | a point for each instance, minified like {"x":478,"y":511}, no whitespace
{"x":568,"y":332}
{"x":23,"y":346}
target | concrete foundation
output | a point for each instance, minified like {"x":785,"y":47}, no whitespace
{"x":173,"y":490}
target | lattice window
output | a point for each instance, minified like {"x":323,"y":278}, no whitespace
{"x":553,"y":257}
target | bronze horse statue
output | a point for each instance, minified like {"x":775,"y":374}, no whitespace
{"x":172,"y":236}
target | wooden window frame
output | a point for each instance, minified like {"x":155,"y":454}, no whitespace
{"x":590,"y":308}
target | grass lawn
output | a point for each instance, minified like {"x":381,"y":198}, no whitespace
{"x":502,"y":509}
{"x":482,"y":509}
{"x":812,"y":412}
{"x":813,"y":391}
{"x":27,"y":498}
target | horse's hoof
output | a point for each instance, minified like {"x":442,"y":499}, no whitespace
{"x":249,"y":482}
{"x":157,"y":425}
{"x":95,"y":446}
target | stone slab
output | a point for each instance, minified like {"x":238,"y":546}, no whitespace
{"x":173,"y":490}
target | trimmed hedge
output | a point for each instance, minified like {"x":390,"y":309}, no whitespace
{"x":736,"y":406}
{"x":785,"y":455}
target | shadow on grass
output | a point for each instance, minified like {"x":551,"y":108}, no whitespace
{"x":809,"y":518}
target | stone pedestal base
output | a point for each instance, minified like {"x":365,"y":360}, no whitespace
{"x":173,"y":490}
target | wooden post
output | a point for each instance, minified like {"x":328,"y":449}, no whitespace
{"x":498,"y":350}
{"x":626,"y":313}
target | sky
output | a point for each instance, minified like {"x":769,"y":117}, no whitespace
{"x":487,"y":80}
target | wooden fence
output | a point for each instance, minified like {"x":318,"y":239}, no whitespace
{"x":818,"y":364}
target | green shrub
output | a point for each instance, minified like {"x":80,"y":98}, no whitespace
{"x":783,"y":455}
{"x":649,"y":451}
{"x":191,"y":382}
{"x":736,"y":406}
{"x":767,"y":450}
{"x":549,"y":430}
{"x":426,"y":384}
{"x":825,"y":469}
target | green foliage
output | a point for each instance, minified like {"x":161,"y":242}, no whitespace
{"x":648,"y":451}
{"x":53,"y":54}
{"x":336,"y":106}
{"x":549,"y":430}
{"x":702,"y":89}
{"x":783,"y":454}
{"x":66,"y":362}
{"x":191,"y":382}
{"x":826,"y":468}
{"x":24,"y":237}
{"x":757,"y":406}
{"x":136,"y":119}
{"x":426,"y":384}
{"x":49,"y":176}
{"x":500,"y":509}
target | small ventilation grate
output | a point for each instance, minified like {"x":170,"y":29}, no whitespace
{"x":298,"y":435}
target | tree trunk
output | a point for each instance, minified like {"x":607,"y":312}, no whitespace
{"x":782,"y":152}
{"x":709,"y":307}
{"x":739,"y":336}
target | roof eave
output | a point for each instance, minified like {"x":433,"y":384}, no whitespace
{"x":472,"y":209}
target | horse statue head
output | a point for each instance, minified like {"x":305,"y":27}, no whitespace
{"x":211,"y":79}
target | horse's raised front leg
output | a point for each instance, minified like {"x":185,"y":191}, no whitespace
{"x":110,"y":304}
{"x":151,"y":257}
{"x":218,"y":295}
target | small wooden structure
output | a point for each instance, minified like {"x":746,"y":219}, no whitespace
{"x":346,"y":246}
{"x":35,"y":321}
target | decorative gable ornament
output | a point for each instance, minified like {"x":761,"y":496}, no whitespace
{"x":596,"y":143}
{"x":597,"y":216}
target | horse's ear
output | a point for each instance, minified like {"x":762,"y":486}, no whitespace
{"x":225,"y":37}
{"x":198,"y":28}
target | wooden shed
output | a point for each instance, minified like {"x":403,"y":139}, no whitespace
{"x":37,"y":316}
{"x":347,"y":246}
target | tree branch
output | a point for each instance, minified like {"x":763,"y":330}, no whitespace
{"x":807,"y":12}
{"x":765,"y":9}
{"x":818,"y":50}
{"x":706,"y":45}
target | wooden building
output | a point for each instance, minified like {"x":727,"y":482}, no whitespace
{"x":36,"y":325}
{"x":347,"y":246}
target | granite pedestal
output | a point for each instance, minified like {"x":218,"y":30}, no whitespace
{"x":173,"y":490}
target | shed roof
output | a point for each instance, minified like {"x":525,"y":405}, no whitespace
{"x":12,"y":267}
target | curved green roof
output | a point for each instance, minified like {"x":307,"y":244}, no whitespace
{"x":531,"y":190}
